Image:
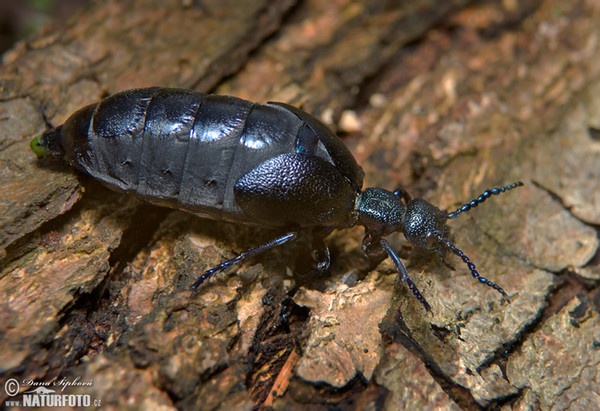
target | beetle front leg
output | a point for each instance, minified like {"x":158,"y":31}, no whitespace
{"x":243,"y":256}
{"x":375,"y":246}
{"x":404,"y":273}
{"x":373,"y":249}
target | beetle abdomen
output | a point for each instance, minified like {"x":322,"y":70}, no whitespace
{"x":187,"y":150}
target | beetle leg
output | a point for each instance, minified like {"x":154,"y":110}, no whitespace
{"x":373,"y":249}
{"x":402,"y":194}
{"x":323,"y":256}
{"x":320,"y":249}
{"x":404,"y":273}
{"x":243,"y":256}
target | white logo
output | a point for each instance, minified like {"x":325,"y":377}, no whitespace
{"x":12,"y":387}
{"x":43,"y":396}
{"x":41,"y":391}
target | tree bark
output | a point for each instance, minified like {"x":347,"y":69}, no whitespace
{"x":442,"y":100}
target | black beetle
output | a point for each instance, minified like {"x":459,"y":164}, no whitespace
{"x":225,"y":158}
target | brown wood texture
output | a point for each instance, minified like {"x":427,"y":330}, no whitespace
{"x":445,"y":99}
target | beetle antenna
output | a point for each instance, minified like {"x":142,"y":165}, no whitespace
{"x":472,"y":267}
{"x":485,"y":195}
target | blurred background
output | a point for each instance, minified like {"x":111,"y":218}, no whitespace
{"x":20,"y":18}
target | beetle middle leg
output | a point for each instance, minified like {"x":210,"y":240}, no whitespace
{"x":321,"y":250}
{"x":243,"y":256}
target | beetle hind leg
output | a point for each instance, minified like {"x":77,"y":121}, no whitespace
{"x":243,"y":256}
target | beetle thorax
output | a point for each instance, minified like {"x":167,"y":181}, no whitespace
{"x":381,"y":212}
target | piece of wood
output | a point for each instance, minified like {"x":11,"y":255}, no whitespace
{"x":444,"y":101}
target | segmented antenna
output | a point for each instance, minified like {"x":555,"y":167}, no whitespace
{"x":472,"y":267}
{"x":485,"y":195}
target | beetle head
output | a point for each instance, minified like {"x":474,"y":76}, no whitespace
{"x":382,"y":212}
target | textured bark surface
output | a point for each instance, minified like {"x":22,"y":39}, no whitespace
{"x":444,"y":101}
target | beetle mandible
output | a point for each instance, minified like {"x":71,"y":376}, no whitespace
{"x":225,"y":158}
